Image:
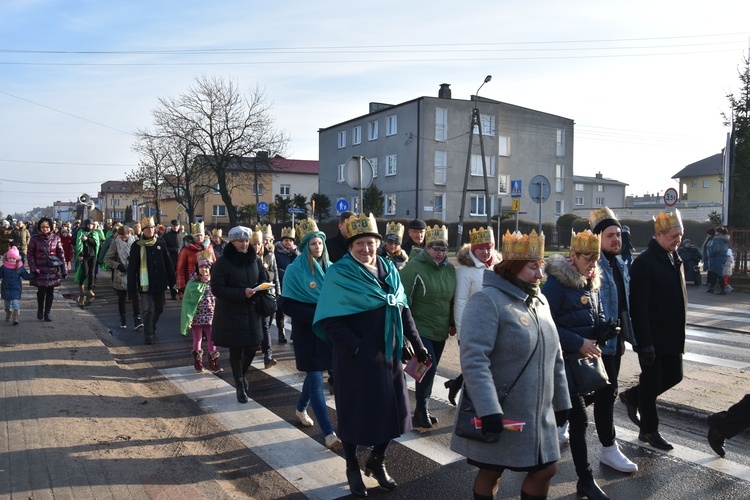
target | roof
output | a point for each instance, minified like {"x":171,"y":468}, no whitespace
{"x":277,"y":163}
{"x":713,"y":165}
{"x":598,"y":180}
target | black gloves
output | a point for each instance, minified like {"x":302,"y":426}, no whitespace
{"x":647,"y":355}
{"x":122,"y":268}
{"x":423,"y":356}
{"x":492,"y":424}
{"x":607,"y":331}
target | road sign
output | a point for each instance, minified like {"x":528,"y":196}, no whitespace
{"x":342,"y":205}
{"x":515,"y":189}
{"x":539,"y":189}
{"x":297,"y":211}
{"x":671,"y":197}
{"x":262,"y":208}
{"x":515,"y":204}
{"x":180,"y":208}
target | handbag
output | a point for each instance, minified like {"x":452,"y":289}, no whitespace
{"x":407,"y":351}
{"x":588,"y":374}
{"x":469,"y":424}
{"x":52,"y":260}
{"x":266,"y":304}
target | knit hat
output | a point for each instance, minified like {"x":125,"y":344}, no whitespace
{"x":13,"y":254}
{"x":601,"y":218}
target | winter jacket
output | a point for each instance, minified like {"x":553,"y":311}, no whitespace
{"x":430,"y":288}
{"x":11,"y":286}
{"x":21,"y":237}
{"x":186,"y":260}
{"x":729,"y":264}
{"x":717,"y":253}
{"x":113,"y":259}
{"x":469,"y":276}
{"x":399,"y":259}
{"x":160,"y":269}
{"x":501,"y":325}
{"x":573,"y":301}
{"x":337,"y":247}
{"x":6,"y":239}
{"x":310,"y":352}
{"x":658,"y":300}
{"x":272,"y":269}
{"x":40,"y":246}
{"x":284,"y":257}
{"x":67,"y":243}
{"x":237,"y":322}
{"x":173,"y":240}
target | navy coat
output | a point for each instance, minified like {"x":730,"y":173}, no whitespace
{"x":11,"y":286}
{"x":310,"y":352}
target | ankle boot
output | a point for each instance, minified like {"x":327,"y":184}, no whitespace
{"x":587,"y":487}
{"x":453,"y":386}
{"x":374,"y":467}
{"x":7,"y":314}
{"x":213,"y":364}
{"x":356,"y":485}
{"x":15,"y":317}
{"x":40,"y":312}
{"x":198,"y":361}
{"x":47,"y":309}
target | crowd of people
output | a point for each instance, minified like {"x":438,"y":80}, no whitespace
{"x":362,"y":304}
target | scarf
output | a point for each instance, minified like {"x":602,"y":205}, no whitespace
{"x":350,"y":288}
{"x":532,"y":289}
{"x":302,"y":283}
{"x":143,"y":271}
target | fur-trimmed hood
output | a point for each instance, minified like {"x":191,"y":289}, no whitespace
{"x":464,"y":256}
{"x":561,"y":267}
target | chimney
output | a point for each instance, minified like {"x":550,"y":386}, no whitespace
{"x":445,"y":91}
{"x":599,"y":175}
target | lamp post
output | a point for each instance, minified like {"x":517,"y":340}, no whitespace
{"x":475,"y":121}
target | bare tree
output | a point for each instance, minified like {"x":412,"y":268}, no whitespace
{"x":223,"y":126}
{"x":148,"y":178}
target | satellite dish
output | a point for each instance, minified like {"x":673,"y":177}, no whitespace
{"x":84,"y":199}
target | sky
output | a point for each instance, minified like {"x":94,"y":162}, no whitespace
{"x":645,"y":82}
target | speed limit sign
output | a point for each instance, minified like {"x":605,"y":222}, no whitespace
{"x":670,"y":197}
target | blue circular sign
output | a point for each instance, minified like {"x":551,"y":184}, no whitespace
{"x":262,"y":208}
{"x":342,"y":205}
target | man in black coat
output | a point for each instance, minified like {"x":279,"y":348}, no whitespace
{"x":147,"y":280}
{"x":173,"y":239}
{"x":658,"y":308}
{"x":337,"y":246}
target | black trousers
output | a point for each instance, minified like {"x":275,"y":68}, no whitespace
{"x":665,"y":373}
{"x":736,"y":419}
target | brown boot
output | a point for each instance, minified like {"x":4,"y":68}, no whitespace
{"x":7,"y":314}
{"x":213,"y":364}
{"x":198,"y":362}
{"x":15,"y":317}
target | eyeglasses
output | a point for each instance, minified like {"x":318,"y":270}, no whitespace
{"x":439,"y":249}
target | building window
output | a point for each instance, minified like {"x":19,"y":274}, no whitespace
{"x":559,"y":178}
{"x":695,"y":183}
{"x":560,"y":146}
{"x":600,"y":188}
{"x":441,"y":124}
{"x":372,"y":130}
{"x":390,"y":204}
{"x":115,"y":202}
{"x":705,"y":184}
{"x":219,"y":211}
{"x":215,"y":188}
{"x":438,"y":206}
{"x":476,"y":165}
{"x":478,"y":205}
{"x":342,"y":139}
{"x":357,"y":135}
{"x":390,"y":165}
{"x":258,"y":189}
{"x":391,"y":125}
{"x":579,"y":201}
{"x":559,"y":207}
{"x":341,"y":173}
{"x":579,"y":186}
{"x":503,"y":183}
{"x":503,"y":145}
{"x":600,"y":201}
{"x":374,"y":163}
{"x":441,"y":167}
{"x":285,"y":189}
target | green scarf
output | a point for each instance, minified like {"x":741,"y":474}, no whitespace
{"x":302,"y":283}
{"x":350,"y":288}
{"x":532,"y":289}
{"x":143,"y":271}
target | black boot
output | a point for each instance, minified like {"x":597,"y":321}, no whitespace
{"x":239,"y":380}
{"x":421,"y":419}
{"x":40,"y":312}
{"x":477,"y":496}
{"x":453,"y":386}
{"x":356,"y":485}
{"x":527,"y":496}
{"x":587,"y":487}
{"x":374,"y":467}
{"x":47,"y":309}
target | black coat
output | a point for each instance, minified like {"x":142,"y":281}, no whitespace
{"x":337,"y":247}
{"x":161,"y":273}
{"x":237,"y":322}
{"x":310,"y":352}
{"x":658,"y":300}
{"x":372,"y":401}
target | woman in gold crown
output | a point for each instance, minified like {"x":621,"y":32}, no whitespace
{"x":391,"y":248}
{"x":513,"y":368}
{"x":364,"y":315}
{"x":269,"y":264}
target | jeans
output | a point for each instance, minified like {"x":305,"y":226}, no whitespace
{"x":424,"y":388}
{"x":312,"y":394}
{"x":12,"y":305}
{"x":265,"y":344}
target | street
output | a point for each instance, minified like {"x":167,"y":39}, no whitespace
{"x":421,"y":461}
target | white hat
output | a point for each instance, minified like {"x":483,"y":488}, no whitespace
{"x":240,"y":233}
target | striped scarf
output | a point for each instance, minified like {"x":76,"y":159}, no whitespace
{"x":143,"y":271}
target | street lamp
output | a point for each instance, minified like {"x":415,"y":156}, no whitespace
{"x":475,"y":122}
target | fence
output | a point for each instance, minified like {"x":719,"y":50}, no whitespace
{"x":740,"y":241}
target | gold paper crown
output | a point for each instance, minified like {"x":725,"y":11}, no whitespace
{"x":256,"y":237}
{"x":306,"y":227}
{"x":600,"y":214}
{"x":147,"y":222}
{"x":197,"y":228}
{"x":205,"y":255}
{"x":217,"y":233}
{"x":266,"y":230}
{"x":585,"y":242}
{"x":664,"y":222}
{"x":361,"y":224}
{"x":436,"y":233}
{"x":519,"y":246}
{"x":394,"y":228}
{"x":287,"y":232}
{"x":481,"y":235}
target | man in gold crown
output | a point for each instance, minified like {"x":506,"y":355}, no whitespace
{"x":285,"y":252}
{"x":173,"y":239}
{"x":150,"y":274}
{"x":572,"y":290}
{"x":391,"y":248}
{"x":195,"y":243}
{"x":430,"y":283}
{"x":658,"y":307}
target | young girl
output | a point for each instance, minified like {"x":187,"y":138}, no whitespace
{"x":11,"y":274}
{"x":728,"y":265}
{"x":198,"y":305}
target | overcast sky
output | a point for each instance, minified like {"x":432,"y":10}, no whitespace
{"x":646,"y":82}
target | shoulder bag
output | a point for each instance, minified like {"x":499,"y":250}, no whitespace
{"x":52,"y":260}
{"x":588,"y":374}
{"x":266,"y":301}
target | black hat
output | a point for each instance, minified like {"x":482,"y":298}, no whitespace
{"x":417,"y":224}
{"x":174,"y":222}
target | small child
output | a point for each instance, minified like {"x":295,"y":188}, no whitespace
{"x":198,"y":304}
{"x":728,"y":265}
{"x":11,"y":273}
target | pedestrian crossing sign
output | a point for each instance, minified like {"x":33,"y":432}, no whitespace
{"x":515,"y":189}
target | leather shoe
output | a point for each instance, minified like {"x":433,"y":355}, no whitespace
{"x":356,"y":485}
{"x":589,"y":489}
{"x":453,"y":386}
{"x":632,"y":408}
{"x":655,"y":440}
{"x":715,"y":439}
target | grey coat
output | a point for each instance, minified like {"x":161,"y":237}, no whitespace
{"x":499,"y":332}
